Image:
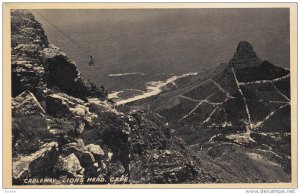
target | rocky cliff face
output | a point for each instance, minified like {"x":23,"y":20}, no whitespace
{"x":66,"y":132}
{"x":40,"y":67}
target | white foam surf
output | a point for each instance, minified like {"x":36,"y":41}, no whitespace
{"x":154,"y":88}
{"x":125,"y":74}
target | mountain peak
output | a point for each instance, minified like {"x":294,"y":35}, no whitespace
{"x":244,"y":47}
{"x":244,"y":56}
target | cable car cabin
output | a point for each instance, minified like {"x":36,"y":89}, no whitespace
{"x":91,"y":62}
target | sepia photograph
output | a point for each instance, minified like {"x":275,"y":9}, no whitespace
{"x":139,"y":95}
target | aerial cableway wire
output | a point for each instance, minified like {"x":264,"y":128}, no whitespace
{"x":58,"y":30}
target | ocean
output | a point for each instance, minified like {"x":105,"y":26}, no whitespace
{"x":133,"y":49}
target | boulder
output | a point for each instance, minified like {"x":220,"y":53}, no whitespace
{"x":37,"y":165}
{"x":70,"y":165}
{"x":86,"y":158}
{"x":61,"y":104}
{"x":26,"y":104}
{"x":95,"y":149}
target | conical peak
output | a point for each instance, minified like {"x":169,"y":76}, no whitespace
{"x":244,"y":48}
{"x":244,"y":55}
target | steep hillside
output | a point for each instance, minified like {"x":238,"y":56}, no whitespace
{"x":245,"y":102}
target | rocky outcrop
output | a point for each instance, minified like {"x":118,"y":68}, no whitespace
{"x":37,"y":164}
{"x":27,"y":42}
{"x":25,"y":29}
{"x":38,"y":66}
{"x":72,"y":83}
{"x":28,"y":70}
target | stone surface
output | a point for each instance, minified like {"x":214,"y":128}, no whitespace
{"x":37,"y":164}
{"x":28,"y":67}
{"x":69,"y":164}
{"x":26,"y":104}
{"x":95,"y":149}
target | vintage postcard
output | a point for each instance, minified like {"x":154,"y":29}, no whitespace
{"x":150,"y":95}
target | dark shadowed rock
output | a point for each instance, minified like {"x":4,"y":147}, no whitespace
{"x":57,"y":106}
{"x":177,"y":165}
{"x":63,"y":73}
{"x":72,"y":147}
{"x":244,"y":56}
{"x":86,"y":158}
{"x":76,"y":110}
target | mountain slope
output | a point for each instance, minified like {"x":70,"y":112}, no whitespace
{"x":244,"y":102}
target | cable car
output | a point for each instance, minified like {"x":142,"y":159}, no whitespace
{"x":91,"y":62}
